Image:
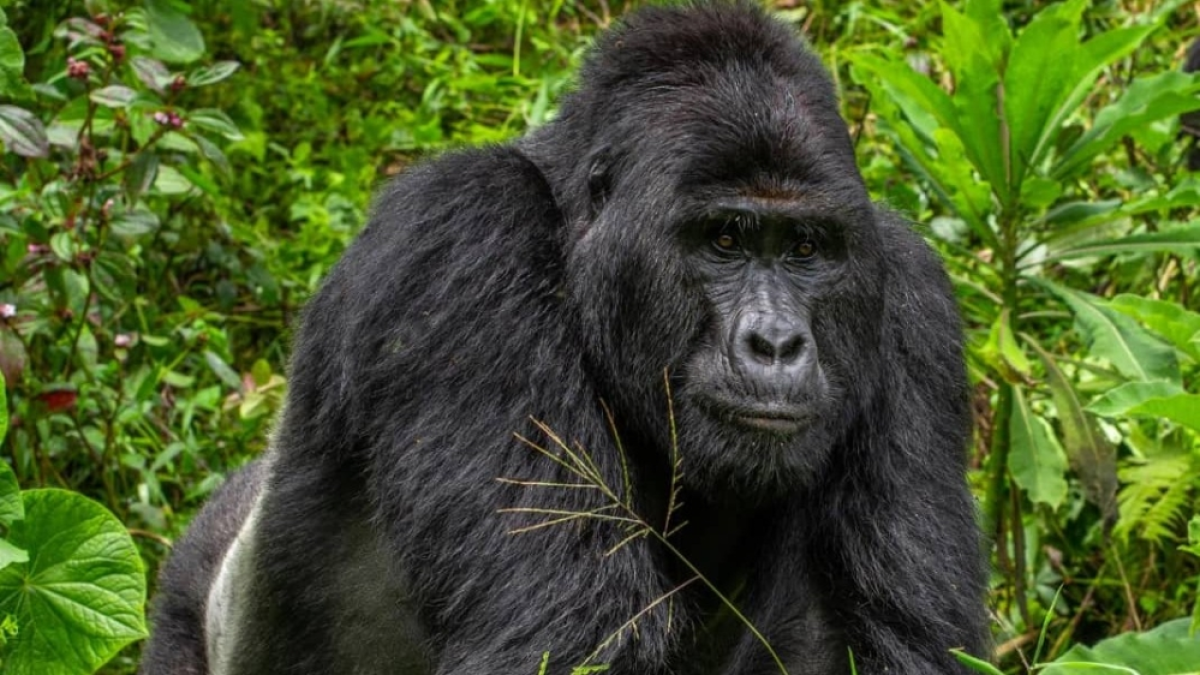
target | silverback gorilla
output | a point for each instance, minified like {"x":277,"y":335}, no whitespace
{"x":683,"y":278}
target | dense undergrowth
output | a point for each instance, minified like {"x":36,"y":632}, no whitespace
{"x":177,"y":177}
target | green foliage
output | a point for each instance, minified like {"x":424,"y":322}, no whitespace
{"x":1022,"y":133}
{"x":178,"y":176}
{"x":1170,"y":649}
{"x":80,"y":596}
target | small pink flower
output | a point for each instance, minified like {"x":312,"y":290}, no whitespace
{"x":8,"y":310}
{"x":122,"y":340}
{"x":77,"y":69}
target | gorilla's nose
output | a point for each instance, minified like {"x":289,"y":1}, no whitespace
{"x":775,"y":347}
{"x":771,"y":341}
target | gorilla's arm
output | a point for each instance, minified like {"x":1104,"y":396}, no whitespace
{"x":436,"y":339}
{"x":178,"y":610}
{"x":904,"y":557}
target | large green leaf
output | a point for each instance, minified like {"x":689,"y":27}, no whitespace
{"x":1118,"y":339}
{"x":1169,"y":649}
{"x":1035,"y":459}
{"x":1089,"y":453}
{"x":1184,"y":239}
{"x":925,"y":105}
{"x":1144,"y":102}
{"x":1168,"y":319}
{"x":1120,"y":400}
{"x":1151,"y":399}
{"x":1087,"y":64}
{"x":1035,"y":86}
{"x":976,"y":96}
{"x":910,"y":111}
{"x":81,"y":596}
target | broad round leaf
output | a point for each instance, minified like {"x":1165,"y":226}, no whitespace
{"x":81,"y":597}
{"x":1169,"y":649}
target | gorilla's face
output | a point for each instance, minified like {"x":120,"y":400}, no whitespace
{"x":771,"y":365}
{"x":734,"y":245}
{"x":758,"y":368}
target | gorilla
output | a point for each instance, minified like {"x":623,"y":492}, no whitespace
{"x":655,"y":388}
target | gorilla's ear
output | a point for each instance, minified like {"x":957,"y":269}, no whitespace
{"x":599,"y":180}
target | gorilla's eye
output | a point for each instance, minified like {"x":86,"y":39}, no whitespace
{"x":805,"y":249}
{"x":726,"y":242}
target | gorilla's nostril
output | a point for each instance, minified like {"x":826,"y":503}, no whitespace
{"x":761,"y":347}
{"x":790,"y":350}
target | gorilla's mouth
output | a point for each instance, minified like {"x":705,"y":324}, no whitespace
{"x":773,"y":422}
{"x":781,"y":419}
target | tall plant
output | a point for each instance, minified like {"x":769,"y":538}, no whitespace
{"x":1005,"y":145}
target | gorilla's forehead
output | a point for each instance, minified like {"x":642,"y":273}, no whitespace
{"x":736,"y":125}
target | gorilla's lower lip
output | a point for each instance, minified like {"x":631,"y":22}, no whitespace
{"x":772,"y":423}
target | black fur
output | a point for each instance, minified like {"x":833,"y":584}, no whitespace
{"x":568,"y":271}
{"x":1189,"y":122}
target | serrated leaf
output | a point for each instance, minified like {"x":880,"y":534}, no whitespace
{"x":174,"y":37}
{"x":114,"y":96}
{"x":1035,"y":459}
{"x":212,"y":74}
{"x":1118,"y":339}
{"x":81,"y":597}
{"x":22,"y":133}
{"x":152,"y":73}
{"x":212,"y":119}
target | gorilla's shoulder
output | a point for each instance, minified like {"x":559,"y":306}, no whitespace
{"x":922,"y":314}
{"x":912,"y":262}
{"x":471,"y":212}
{"x":481,"y":186}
